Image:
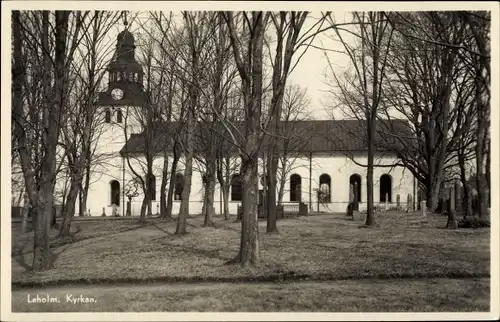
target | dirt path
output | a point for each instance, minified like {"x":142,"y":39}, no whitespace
{"x":422,"y":295}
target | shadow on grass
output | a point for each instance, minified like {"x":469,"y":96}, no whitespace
{"x":74,"y":237}
{"x":162,"y":230}
{"x":276,"y":276}
{"x":224,"y":226}
{"x":20,"y":258}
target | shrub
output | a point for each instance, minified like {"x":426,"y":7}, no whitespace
{"x":473,"y":223}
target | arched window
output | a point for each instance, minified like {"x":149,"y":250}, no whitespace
{"x":119,"y":116}
{"x":325,"y":184}
{"x":152,"y":187}
{"x":236,"y":188}
{"x":295,"y":187}
{"x":115,"y":192}
{"x":385,"y":188}
{"x":355,"y":182}
{"x":108,"y":116}
{"x":179,"y":186}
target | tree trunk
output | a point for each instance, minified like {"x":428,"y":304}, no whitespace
{"x":272,"y":169}
{"x":188,"y":173}
{"x":452,"y":220}
{"x":224,"y":185}
{"x":209,"y":200}
{"x":249,"y":244}
{"x":150,"y":203}
{"x":80,"y":203}
{"x":466,"y":205}
{"x":281,"y":189}
{"x":51,"y":118}
{"x":25,"y":210}
{"x":225,"y":198}
{"x":171,"y":184}
{"x":163,"y":187}
{"x":18,"y":78}
{"x":370,"y":216}
{"x":481,"y":185}
{"x":251,"y":76}
{"x":433,"y":186}
{"x":69,"y":209}
{"x":488,"y":173}
{"x":144,"y":206}
{"x":85,"y":189}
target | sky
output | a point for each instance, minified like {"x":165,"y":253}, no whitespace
{"x":308,"y":73}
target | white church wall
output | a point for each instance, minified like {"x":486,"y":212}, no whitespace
{"x":338,"y":167}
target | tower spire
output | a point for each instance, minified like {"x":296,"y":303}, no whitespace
{"x":124,"y":15}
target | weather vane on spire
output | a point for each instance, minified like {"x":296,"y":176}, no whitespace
{"x":124,"y":15}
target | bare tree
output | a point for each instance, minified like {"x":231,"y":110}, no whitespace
{"x":248,"y":60}
{"x":81,"y":112}
{"x":289,"y":40}
{"x":63,"y":31}
{"x":148,"y":118}
{"x":361,"y":93}
{"x":295,"y":137}
{"x":421,"y":89}
{"x":479,"y":26}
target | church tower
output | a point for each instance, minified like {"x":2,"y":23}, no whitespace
{"x":120,"y":106}
{"x":119,"y":109}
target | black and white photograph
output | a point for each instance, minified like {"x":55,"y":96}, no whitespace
{"x":200,"y":160}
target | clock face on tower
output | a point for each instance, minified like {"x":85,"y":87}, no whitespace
{"x":117,"y":94}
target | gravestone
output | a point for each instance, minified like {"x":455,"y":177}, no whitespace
{"x":422,"y":198}
{"x":355,"y":197}
{"x":103,"y":212}
{"x":129,"y":207}
{"x":398,"y":202}
{"x":409,"y":203}
{"x":350,"y":209}
{"x":114,"y":210}
{"x":351,"y":193}
{"x":458,"y":196}
{"x":357,"y":216}
{"x":303,"y":211}
{"x":386,"y":202}
{"x":419,"y":218}
{"x":452,"y":220}
{"x":447,"y":200}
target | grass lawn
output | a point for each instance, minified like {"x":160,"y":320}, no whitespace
{"x":327,"y":247}
{"x":433,"y":295}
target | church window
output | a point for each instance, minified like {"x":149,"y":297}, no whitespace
{"x":115,"y":192}
{"x":295,"y":187}
{"x":179,"y":186}
{"x":236,"y":188}
{"x":325,"y":183}
{"x":119,"y":116}
{"x":385,"y":188}
{"x":108,"y":116}
{"x":355,"y":181}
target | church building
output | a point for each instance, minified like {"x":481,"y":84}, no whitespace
{"x":323,"y":169}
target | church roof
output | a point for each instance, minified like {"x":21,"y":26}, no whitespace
{"x":317,"y":136}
